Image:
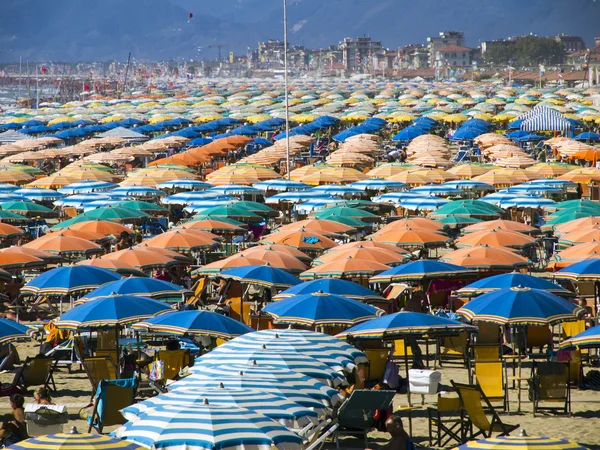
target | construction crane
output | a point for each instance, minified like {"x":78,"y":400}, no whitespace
{"x":218,"y":46}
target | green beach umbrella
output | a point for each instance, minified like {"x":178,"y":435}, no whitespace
{"x":114,"y":213}
{"x":345,"y":211}
{"x":258,"y":208}
{"x":231,"y":211}
{"x":456,"y":221}
{"x":142,"y":206}
{"x":28,"y":208}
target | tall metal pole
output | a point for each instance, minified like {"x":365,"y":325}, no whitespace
{"x":285,"y":83}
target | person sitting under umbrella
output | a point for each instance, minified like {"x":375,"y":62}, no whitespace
{"x":400,"y":439}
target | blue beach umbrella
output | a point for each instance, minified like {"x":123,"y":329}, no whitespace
{"x":280,"y":409}
{"x":234,"y":189}
{"x":436,"y":189}
{"x":111,"y":311}
{"x":586,"y":270}
{"x":196,"y":323}
{"x":143,"y":287}
{"x":38,"y":194}
{"x":404,"y":323}
{"x":334,"y":286}
{"x":320,"y":309}
{"x":379,"y":184}
{"x":527,"y":202}
{"x":469,"y":185}
{"x":187,"y":198}
{"x":520,"y":306}
{"x":509,"y":280}
{"x":426,"y":269}
{"x":137,"y":191}
{"x":5,"y":187}
{"x":586,"y":339}
{"x":424,"y":203}
{"x":86,"y":187}
{"x":208,"y":427}
{"x":68,"y":280}
{"x":337,"y":190}
{"x":11,"y":331}
{"x":261,"y":275}
{"x":79,"y":201}
{"x":281,"y":185}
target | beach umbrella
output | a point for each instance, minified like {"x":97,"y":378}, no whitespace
{"x":86,"y":187}
{"x":184,"y":241}
{"x":485,"y":258}
{"x":147,"y":207}
{"x":344,"y":268}
{"x":116,"y":310}
{"x":281,"y":249}
{"x":527,"y":202}
{"x":520,"y":306}
{"x":411,"y":238}
{"x":142,"y":258}
{"x":510,"y":280}
{"x":261,"y":275}
{"x":320,"y":309}
{"x":275,"y":258}
{"x":208,"y":426}
{"x":335,"y":286}
{"x":294,"y":386}
{"x":11,"y":331}
{"x":281,"y":185}
{"x":104,"y":227}
{"x":194,"y":323}
{"x":301,"y":239}
{"x":8,"y":231}
{"x":116,"y":266}
{"x":500,"y":224}
{"x":589,"y":338}
{"x":293,"y":361}
{"x":215,"y":226}
{"x":187,"y":184}
{"x":75,"y":440}
{"x":68,"y":280}
{"x":379,"y":185}
{"x":496,"y":238}
{"x":586,"y":270}
{"x":115,"y":213}
{"x":230,"y":211}
{"x":287,"y":413}
{"x":20,"y":261}
{"x":404,"y":323}
{"x":137,"y":191}
{"x":521,"y":442}
{"x":237,"y":260}
{"x":142,"y":287}
{"x":323,"y":226}
{"x":420,"y":271}
{"x":39,"y":195}
{"x":28,"y":209}
{"x":386,"y":257}
{"x":64,"y":245}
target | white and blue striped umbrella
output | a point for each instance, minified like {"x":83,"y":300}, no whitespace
{"x":423,"y":203}
{"x":436,"y":189}
{"x":537,"y":189}
{"x":554,"y":182}
{"x":39,"y":194}
{"x":187,"y":198}
{"x":187,"y":184}
{"x":469,"y":185}
{"x":10,"y":197}
{"x":137,"y":191}
{"x":303,"y":364}
{"x":309,"y":337}
{"x":294,"y":197}
{"x":292,"y":385}
{"x":5,"y":187}
{"x":339,"y":190}
{"x":498,"y":197}
{"x":330,"y":356}
{"x":395,"y":197}
{"x":379,"y":184}
{"x":313,"y":205}
{"x":234,"y":189}
{"x":99,"y":204}
{"x":281,"y":185}
{"x":284,"y":411}
{"x":80,"y":200}
{"x":208,"y":427}
{"x":86,"y":187}
{"x":528,"y":202}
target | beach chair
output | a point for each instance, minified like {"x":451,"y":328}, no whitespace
{"x":402,"y":354}
{"x":486,"y":353}
{"x":174,"y":361}
{"x":570,"y":329}
{"x":35,"y":372}
{"x":377,"y":363}
{"x":540,"y":337}
{"x":454,"y":349}
{"x":491,"y":379}
{"x":111,"y":397}
{"x":471,"y":397}
{"x":446,"y":421}
{"x":550,"y":384}
{"x":489,"y":333}
{"x":359,"y":414}
{"x":113,"y":354}
{"x":239,"y":310}
{"x":99,"y":368}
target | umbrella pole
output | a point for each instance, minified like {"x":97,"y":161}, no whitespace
{"x":407,"y":387}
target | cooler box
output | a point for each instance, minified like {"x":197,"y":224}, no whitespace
{"x":45,"y":419}
{"x":423,"y":381}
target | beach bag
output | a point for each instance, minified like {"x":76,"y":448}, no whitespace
{"x":157,"y":370}
{"x":391,"y":377}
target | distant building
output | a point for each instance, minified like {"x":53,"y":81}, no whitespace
{"x":570,"y":44}
{"x":358,"y":53}
{"x":445,"y":39}
{"x":487,"y":46}
{"x":270,"y":52}
{"x":454,"y":56}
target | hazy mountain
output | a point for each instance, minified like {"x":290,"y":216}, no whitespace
{"x":161,"y":29}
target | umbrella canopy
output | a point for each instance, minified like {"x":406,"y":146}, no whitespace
{"x":520,"y":306}
{"x":335,"y":286}
{"x":62,"y":244}
{"x":422,"y":270}
{"x":411,"y":238}
{"x":280,"y":409}
{"x":261,"y":275}
{"x":68,"y":280}
{"x":293,"y":361}
{"x":183,"y":241}
{"x":496,"y":238}
{"x":301,"y":239}
{"x":587,"y":270}
{"x":521,"y":442}
{"x":208,"y":426}
{"x":404,"y":323}
{"x":194,"y":323}
{"x":119,"y":267}
{"x":510,"y":280}
{"x":11,"y":331}
{"x":275,"y":258}
{"x":586,"y":339}
{"x":320,"y":309}
{"x":348,"y":268}
{"x":143,"y":287}
{"x":74,"y":440}
{"x":104,"y":227}
{"x":113,"y":311}
{"x":486,"y":258}
{"x":142,"y":258}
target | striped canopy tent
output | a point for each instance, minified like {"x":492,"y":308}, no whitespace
{"x":542,"y":118}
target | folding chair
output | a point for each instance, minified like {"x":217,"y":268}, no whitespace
{"x":471,"y":397}
{"x":99,"y":368}
{"x":400,"y":354}
{"x":113,"y":354}
{"x":377,"y":363}
{"x":111,"y":397}
{"x":491,"y":378}
{"x":550,"y":384}
{"x":454,"y":349}
{"x":486,"y":352}
{"x":35,"y":372}
{"x":358,"y":414}
{"x":174,"y":361}
{"x":538,"y":336}
{"x":446,"y":421}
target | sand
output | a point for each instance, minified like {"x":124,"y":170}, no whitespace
{"x":74,"y":391}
